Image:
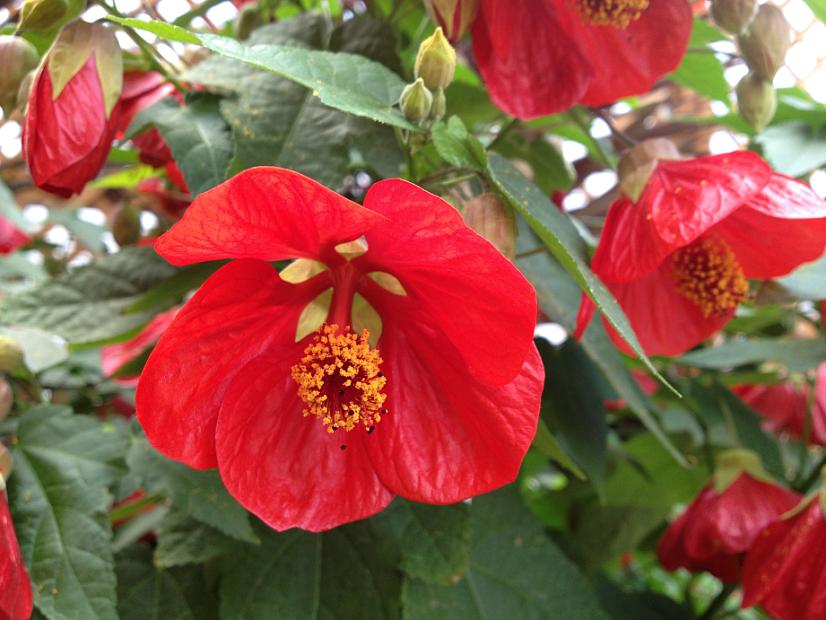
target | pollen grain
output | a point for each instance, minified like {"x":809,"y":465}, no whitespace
{"x":616,"y":13}
{"x":708,"y":273}
{"x":339,"y":379}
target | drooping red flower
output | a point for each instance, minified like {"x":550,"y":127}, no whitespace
{"x":73,"y":109}
{"x":142,"y":89}
{"x":785,"y":569}
{"x":678,"y":257}
{"x":11,"y":237}
{"x":114,"y":357}
{"x":718,"y":527}
{"x":382,"y":361}
{"x":785,"y":406}
{"x":539,"y":57}
{"x":15,"y":585}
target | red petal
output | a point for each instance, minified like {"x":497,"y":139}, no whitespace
{"x":629,"y":61}
{"x":15,"y":586}
{"x":11,"y":237}
{"x":531,"y":64}
{"x":266,"y":213}
{"x":448,"y":436}
{"x":284,"y":467}
{"x":666,"y":323}
{"x":239,"y":312}
{"x":114,"y":356}
{"x":459,"y":282}
{"x":140,"y":90}
{"x":788,"y":198}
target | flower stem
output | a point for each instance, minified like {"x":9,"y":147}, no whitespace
{"x":718,"y":602}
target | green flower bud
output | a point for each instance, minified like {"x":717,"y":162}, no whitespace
{"x":637,"y":164}
{"x":436,"y":62}
{"x":17,"y":58}
{"x":24,"y":91}
{"x":765,"y":42}
{"x":11,"y":355}
{"x":416,"y":101}
{"x":493,"y":219}
{"x":126,"y":227}
{"x":439,"y":107}
{"x":41,"y":15}
{"x":756,"y":101}
{"x":733,"y":15}
{"x":248,"y":19}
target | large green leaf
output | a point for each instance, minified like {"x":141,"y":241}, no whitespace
{"x":146,"y":591}
{"x":515,"y":572}
{"x":795,"y":355}
{"x":347,"y":82}
{"x":794,"y":148}
{"x":59,"y":500}
{"x":341,"y":574}
{"x":200,"y":494}
{"x":700,"y":70}
{"x":434,"y":540}
{"x":197,"y":136}
{"x":818,"y":8}
{"x":184,"y":540}
{"x":86,"y":305}
{"x":560,"y":236}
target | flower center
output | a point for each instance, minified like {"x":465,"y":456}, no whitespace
{"x":617,"y":13}
{"x":707,"y":273}
{"x":339,"y":379}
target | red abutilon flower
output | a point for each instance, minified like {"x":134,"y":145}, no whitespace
{"x":540,"y":57}
{"x":114,"y":357}
{"x":718,"y":527}
{"x":73,"y":109}
{"x":785,"y":569}
{"x":785,"y":407}
{"x":15,"y":585}
{"x":11,"y":237}
{"x":680,"y":243}
{"x":382,"y":361}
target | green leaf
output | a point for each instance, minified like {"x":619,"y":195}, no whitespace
{"x":794,"y":148}
{"x":170,"y":291}
{"x":41,"y":350}
{"x":805,"y":283}
{"x":549,"y":446}
{"x":550,"y":170}
{"x":197,"y":136}
{"x":343,"y":573}
{"x":456,"y":146}
{"x":702,"y":71}
{"x":86,"y":305}
{"x":434,"y":540}
{"x":560,"y":236}
{"x":90,"y":235}
{"x":515,"y":572}
{"x":573,"y":406}
{"x":818,"y":8}
{"x":183,"y":540}
{"x":559,"y":296}
{"x":127,"y":178}
{"x":146,"y":591}
{"x":347,"y":82}
{"x":58,"y":499}
{"x":795,"y":355}
{"x":200,"y":494}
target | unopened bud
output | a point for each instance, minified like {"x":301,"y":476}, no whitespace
{"x":637,"y":164}
{"x":493,"y":218}
{"x":24,"y":91}
{"x":756,"y":101}
{"x":11,"y":355}
{"x":126,"y":228}
{"x":41,"y":15}
{"x":439,"y":107}
{"x":436,"y":61}
{"x":765,"y":42}
{"x":17,"y":58}
{"x":248,"y":19}
{"x":416,"y":101}
{"x":453,"y":16}
{"x":6,"y":399}
{"x":733,"y":15}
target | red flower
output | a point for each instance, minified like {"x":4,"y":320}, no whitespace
{"x":113,"y":357}
{"x":784,"y":570}
{"x":540,"y":57}
{"x":718,"y":527}
{"x":678,"y":258}
{"x":73,"y":109}
{"x":15,"y":586}
{"x":11,"y":237}
{"x":354,"y":374}
{"x":785,"y":407}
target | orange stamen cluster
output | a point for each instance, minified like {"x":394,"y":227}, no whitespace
{"x":617,"y":13}
{"x":707,"y":273}
{"x":340,"y":381}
